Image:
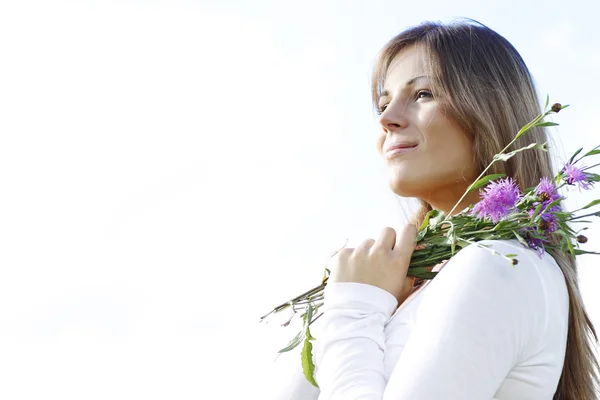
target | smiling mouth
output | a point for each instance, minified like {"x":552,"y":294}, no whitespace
{"x":399,"y":151}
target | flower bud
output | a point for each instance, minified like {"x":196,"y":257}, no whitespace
{"x":582,"y":239}
{"x":556,"y":107}
{"x":515,"y":261}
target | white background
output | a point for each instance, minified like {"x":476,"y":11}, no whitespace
{"x":170,"y":171}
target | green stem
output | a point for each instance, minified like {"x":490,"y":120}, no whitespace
{"x":294,"y":300}
{"x":561,"y":186}
{"x":310,"y":299}
{"x":586,"y":168}
{"x":318,"y":316}
{"x":469,"y":189}
{"x":532,"y":123}
{"x":583,"y":216}
{"x":583,"y":156}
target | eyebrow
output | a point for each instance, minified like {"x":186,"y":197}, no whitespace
{"x":408,"y":83}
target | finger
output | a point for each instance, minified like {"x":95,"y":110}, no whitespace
{"x":406,"y":241}
{"x":344,"y":253}
{"x":387,"y":238}
{"x":365,"y":245}
{"x":340,"y":261}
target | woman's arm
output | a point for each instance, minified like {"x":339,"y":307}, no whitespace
{"x":473,"y":323}
{"x":351,"y":344}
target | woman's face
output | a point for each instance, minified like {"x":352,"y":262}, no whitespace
{"x":437,"y":163}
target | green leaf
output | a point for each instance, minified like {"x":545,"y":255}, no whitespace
{"x":294,"y":342}
{"x":546,"y":124}
{"x":595,"y":150}
{"x":308,"y":335}
{"x":536,"y":235}
{"x":439,"y":241}
{"x":592,"y":204}
{"x":510,"y":255}
{"x":484,"y":181}
{"x":308,"y":315}
{"x":436,"y":219}
{"x":417,"y":270}
{"x":591,"y":153}
{"x":503,"y":157}
{"x":308,"y":366}
{"x":520,"y":238}
{"x":554,"y":203}
{"x":462,"y":243}
{"x":547,"y":101}
{"x":592,"y":177}
{"x":537,"y":210}
{"x":570,"y":246}
{"x":579,"y":252}
{"x":507,"y":156}
{"x":430,"y":214}
{"x":574,"y":155}
{"x":423,"y":275}
{"x":421,"y":234}
{"x":528,"y":126}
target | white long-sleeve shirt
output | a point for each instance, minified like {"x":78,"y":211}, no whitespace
{"x":482,"y":329}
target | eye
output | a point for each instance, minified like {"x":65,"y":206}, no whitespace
{"x":425,"y":92}
{"x":381,"y":109}
{"x":419,"y":95}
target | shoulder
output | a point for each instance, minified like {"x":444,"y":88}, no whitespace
{"x":481,"y":272}
{"x":491,"y":260}
{"x":479,"y":277}
{"x":484,"y":293}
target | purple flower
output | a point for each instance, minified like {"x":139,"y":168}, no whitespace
{"x":574,"y":175}
{"x":536,"y":244}
{"x":548,"y":223}
{"x":498,"y":199}
{"x":546,"y":190}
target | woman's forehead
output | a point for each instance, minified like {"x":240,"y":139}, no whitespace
{"x":405,"y":68}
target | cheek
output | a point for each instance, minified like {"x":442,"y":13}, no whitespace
{"x":449,"y":149}
{"x":462,"y":159}
{"x":379,"y":143}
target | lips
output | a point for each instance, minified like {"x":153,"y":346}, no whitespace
{"x":399,"y":145}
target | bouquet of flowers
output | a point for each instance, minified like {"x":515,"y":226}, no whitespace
{"x":504,"y":212}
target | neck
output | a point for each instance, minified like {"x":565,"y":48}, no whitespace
{"x":445,"y":200}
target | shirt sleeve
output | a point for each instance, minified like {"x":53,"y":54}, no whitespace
{"x":351,"y":345}
{"x":472,"y":326}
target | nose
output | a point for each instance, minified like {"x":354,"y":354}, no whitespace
{"x":393,"y":117}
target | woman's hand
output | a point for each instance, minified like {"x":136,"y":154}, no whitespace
{"x":382,"y":263}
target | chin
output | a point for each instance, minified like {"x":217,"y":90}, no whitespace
{"x":404,"y":187}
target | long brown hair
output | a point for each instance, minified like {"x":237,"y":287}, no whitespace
{"x":483,"y":84}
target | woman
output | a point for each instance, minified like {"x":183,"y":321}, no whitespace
{"x":449,"y":98}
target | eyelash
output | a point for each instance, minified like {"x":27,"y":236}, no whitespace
{"x":381,"y":109}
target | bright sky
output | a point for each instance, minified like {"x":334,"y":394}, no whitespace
{"x":174,"y":169}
